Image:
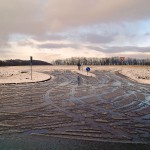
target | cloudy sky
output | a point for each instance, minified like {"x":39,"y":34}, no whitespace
{"x":52,"y":29}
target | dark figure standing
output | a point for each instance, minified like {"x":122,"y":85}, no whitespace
{"x":79,"y":65}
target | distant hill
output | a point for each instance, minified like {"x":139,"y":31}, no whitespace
{"x":18,"y":62}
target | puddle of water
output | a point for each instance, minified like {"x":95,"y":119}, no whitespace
{"x":79,"y":80}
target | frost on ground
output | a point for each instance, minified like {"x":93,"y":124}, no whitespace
{"x":84,"y":73}
{"x":5,"y":74}
{"x":16,"y":76}
{"x":19,"y":74}
{"x":141,"y":75}
{"x":106,"y":108}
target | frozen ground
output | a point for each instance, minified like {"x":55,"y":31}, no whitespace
{"x":22,"y":77}
{"x":22,"y":74}
{"x":82,"y":72}
{"x":141,"y":75}
{"x":107,"y":107}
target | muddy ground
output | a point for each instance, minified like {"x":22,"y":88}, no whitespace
{"x":107,"y":108}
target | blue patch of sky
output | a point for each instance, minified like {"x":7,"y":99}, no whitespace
{"x":124,"y":28}
{"x":18,"y":37}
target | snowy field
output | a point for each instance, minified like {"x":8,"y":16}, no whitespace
{"x":141,"y":75}
{"x":21,"y":74}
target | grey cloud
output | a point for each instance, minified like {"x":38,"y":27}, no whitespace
{"x":3,"y":40}
{"x":143,"y":49}
{"x":147,"y":33}
{"x":83,"y":12}
{"x":95,"y":48}
{"x":38,"y":17}
{"x":57,"y":46}
{"x":21,"y":17}
{"x":52,"y":37}
{"x":129,"y":49}
{"x":95,"y":38}
{"x":3,"y":51}
{"x":120,"y":49}
{"x":26,"y":43}
{"x":4,"y":44}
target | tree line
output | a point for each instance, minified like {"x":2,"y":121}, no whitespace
{"x":18,"y":62}
{"x":101,"y":61}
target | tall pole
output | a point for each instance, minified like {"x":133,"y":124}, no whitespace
{"x":31,"y":71}
{"x":31,"y":65}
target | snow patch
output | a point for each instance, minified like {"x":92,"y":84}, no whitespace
{"x":21,"y":76}
{"x":141,"y":75}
